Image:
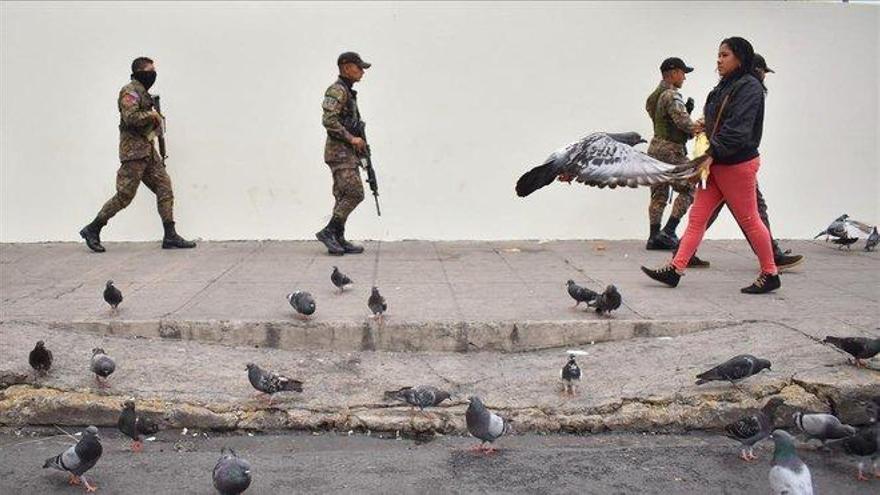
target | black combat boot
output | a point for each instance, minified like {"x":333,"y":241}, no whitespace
{"x":669,"y":229}
{"x":172,"y":240}
{"x":662,"y":242}
{"x":764,"y":284}
{"x":328,"y":237}
{"x":666,"y":274}
{"x":655,"y":229}
{"x":92,"y":234}
{"x":348,"y":247}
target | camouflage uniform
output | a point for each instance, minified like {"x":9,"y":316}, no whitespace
{"x":672,"y":128}
{"x":341,"y":117}
{"x":141,"y":161}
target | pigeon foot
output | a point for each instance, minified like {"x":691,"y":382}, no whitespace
{"x":73,"y":480}
{"x":89,"y":488}
{"x":137,"y":446}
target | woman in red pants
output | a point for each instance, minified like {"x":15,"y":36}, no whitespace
{"x":733,"y":119}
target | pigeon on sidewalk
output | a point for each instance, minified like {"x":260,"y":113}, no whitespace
{"x":484,"y":425}
{"x":857,"y":347}
{"x":753,"y":428}
{"x":837,"y":228}
{"x":112,"y":295}
{"x":845,"y":242}
{"x":734,"y":369}
{"x":232,"y":474}
{"x":607,"y":301}
{"x":302,"y":302}
{"x":133,"y":425}
{"x":873,"y":240}
{"x":864,"y":444}
{"x":580,"y":294}
{"x":40,"y":358}
{"x":340,"y":280}
{"x":822,"y":427}
{"x":270,"y":382}
{"x":570,"y":373}
{"x":789,"y":475}
{"x":421,"y":396}
{"x":78,"y":459}
{"x":377,"y":304}
{"x":102,"y":366}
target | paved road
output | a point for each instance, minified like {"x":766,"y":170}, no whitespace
{"x":328,"y":463}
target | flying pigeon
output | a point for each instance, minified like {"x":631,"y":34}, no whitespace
{"x":302,"y":302}
{"x":112,"y":295}
{"x":232,"y":474}
{"x":736,"y":368}
{"x":40,"y":358}
{"x":421,"y":396}
{"x":604,"y":159}
{"x":751,"y":429}
{"x":102,"y":366}
{"x":483,"y":424}
{"x":134,"y":425}
{"x":570,"y":373}
{"x":822,"y":427}
{"x":857,"y":347}
{"x":607,"y":301}
{"x":837,"y":228}
{"x":339,"y":279}
{"x":865,"y":443}
{"x":789,"y":475}
{"x":79,"y":458}
{"x":377,"y":303}
{"x":580,"y":294}
{"x":270,"y":382}
{"x":873,"y":240}
{"x":845,"y":228}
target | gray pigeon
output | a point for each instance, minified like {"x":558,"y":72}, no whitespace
{"x":822,"y":427}
{"x":78,"y":459}
{"x":846,"y":242}
{"x":270,"y":382}
{"x":133,"y":425}
{"x":864,"y":444}
{"x":483,"y":424}
{"x":734,"y":369}
{"x":873,"y":240}
{"x":112,"y":295}
{"x":607,"y":301}
{"x":837,"y":228}
{"x":421,"y":396}
{"x":580,"y":294}
{"x":789,"y":475}
{"x":339,"y":279}
{"x":857,"y":347}
{"x":102,"y":366}
{"x":377,"y":303}
{"x":604,"y":160}
{"x":40,"y":358}
{"x":302,"y":302}
{"x":232,"y":474}
{"x":570,"y":373}
{"x":751,"y":429}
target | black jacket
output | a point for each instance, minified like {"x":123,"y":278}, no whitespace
{"x":739,"y":133}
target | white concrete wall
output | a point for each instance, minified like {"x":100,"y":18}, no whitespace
{"x":462,"y":98}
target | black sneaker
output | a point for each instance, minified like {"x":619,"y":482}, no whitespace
{"x":661,"y":242}
{"x":787,"y":261}
{"x":696,"y":262}
{"x":764,"y":284}
{"x":666,"y":274}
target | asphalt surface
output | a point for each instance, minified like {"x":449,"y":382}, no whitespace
{"x":331,"y":462}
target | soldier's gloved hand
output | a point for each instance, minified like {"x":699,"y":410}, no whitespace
{"x":689,"y":105}
{"x":359,"y":144}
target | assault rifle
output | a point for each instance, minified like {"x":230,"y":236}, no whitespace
{"x":367,"y":162}
{"x":157,"y":104}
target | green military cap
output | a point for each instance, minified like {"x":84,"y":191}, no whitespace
{"x":354,"y":58}
{"x":674,"y":63}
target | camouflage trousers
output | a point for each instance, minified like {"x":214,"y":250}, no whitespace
{"x":129,"y":176}
{"x":348,"y":189}
{"x":669,"y":152}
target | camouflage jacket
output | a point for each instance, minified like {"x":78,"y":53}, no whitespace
{"x":137,"y":126}
{"x":667,"y":111}
{"x":341,"y":118}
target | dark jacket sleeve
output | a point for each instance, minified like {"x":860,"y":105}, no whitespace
{"x":738,"y":121}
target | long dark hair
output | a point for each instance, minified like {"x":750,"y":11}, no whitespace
{"x":745,"y":53}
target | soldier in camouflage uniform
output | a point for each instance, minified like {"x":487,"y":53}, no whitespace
{"x":672,"y":129}
{"x":139,"y":127}
{"x":342,"y":151}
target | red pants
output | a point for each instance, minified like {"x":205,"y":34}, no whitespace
{"x":734,"y":184}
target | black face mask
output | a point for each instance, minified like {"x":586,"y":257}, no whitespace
{"x":145,"y":77}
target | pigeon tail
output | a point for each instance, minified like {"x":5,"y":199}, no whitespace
{"x":54,"y":463}
{"x":536,"y":178}
{"x":395,"y":394}
{"x":292,"y":385}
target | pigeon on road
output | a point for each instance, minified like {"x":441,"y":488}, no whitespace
{"x":377,"y":304}
{"x":340,"y":280}
{"x":40,"y":358}
{"x":421,"y":396}
{"x":112,"y":295}
{"x":133,"y":425}
{"x":78,"y":459}
{"x":734,"y":369}
{"x":822,"y":427}
{"x":302,"y":302}
{"x":483,"y":424}
{"x":789,"y":475}
{"x":270,"y":382}
{"x":102,"y":366}
{"x":570,"y":373}
{"x":580,"y":294}
{"x":232,"y":474}
{"x":607,"y":301}
{"x":873,"y":240}
{"x":753,"y":428}
{"x":857,"y":347}
{"x":864,"y":444}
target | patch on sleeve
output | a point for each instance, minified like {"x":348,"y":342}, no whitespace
{"x":130,"y":98}
{"x":330,"y":104}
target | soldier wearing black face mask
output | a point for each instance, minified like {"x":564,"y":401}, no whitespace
{"x":139,"y":128}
